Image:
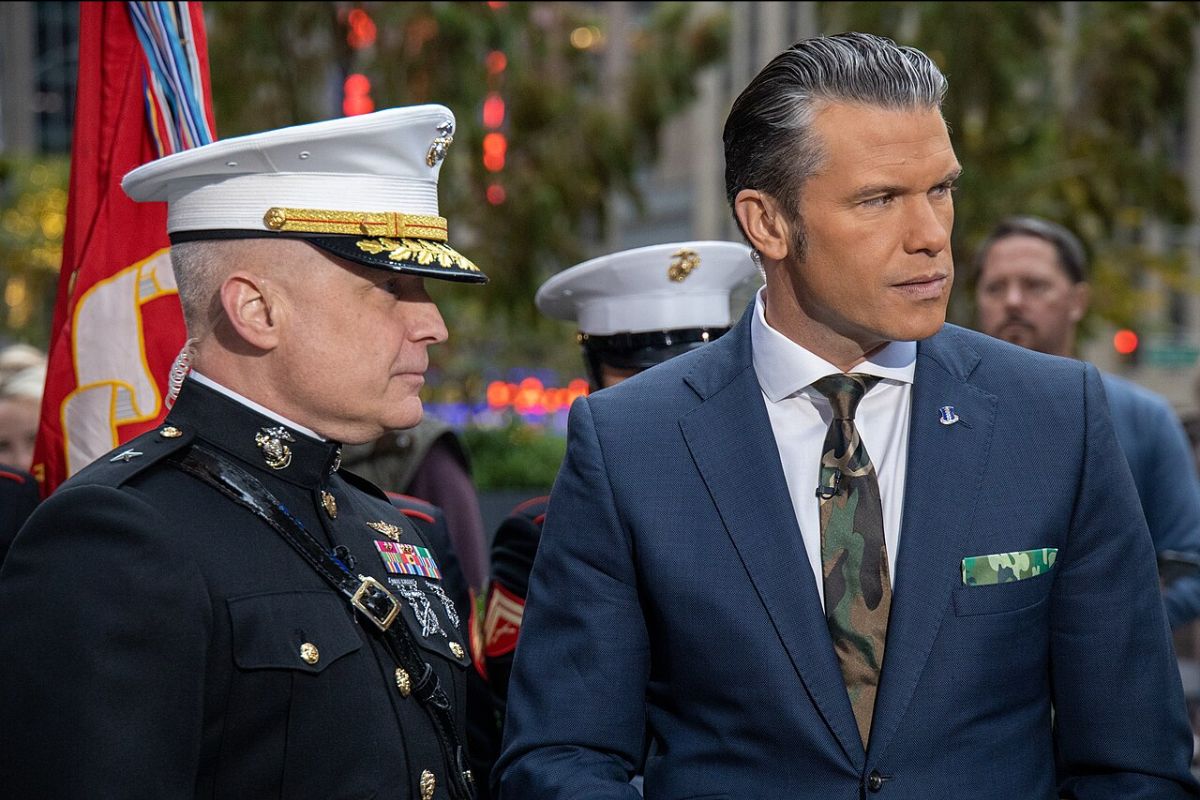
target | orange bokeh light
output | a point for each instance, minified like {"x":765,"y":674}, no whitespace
{"x":531,"y":396}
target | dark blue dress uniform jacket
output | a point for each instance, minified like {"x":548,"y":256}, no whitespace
{"x":672,"y":610}
{"x":18,"y":498}
{"x":153,"y":631}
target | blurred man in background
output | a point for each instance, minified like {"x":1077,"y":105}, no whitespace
{"x":1032,"y":290}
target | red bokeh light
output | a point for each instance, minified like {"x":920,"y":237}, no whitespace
{"x":496,"y":194}
{"x":493,"y":110}
{"x":496,"y":62}
{"x":495,"y":147}
{"x":1125,"y":342}
{"x":362,"y":29}
{"x":356,"y":95}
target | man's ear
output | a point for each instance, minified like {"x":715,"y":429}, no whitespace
{"x":253,"y":309}
{"x":763,"y":222}
{"x":1082,"y":297}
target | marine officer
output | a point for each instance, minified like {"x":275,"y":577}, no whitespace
{"x":214,"y":609}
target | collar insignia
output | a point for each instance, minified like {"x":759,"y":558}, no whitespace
{"x":271,"y":441}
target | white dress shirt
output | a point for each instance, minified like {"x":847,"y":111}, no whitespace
{"x":800,"y":417}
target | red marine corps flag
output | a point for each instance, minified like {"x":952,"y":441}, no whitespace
{"x":143,"y":93}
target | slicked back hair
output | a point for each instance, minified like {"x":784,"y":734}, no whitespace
{"x":769,"y":140}
{"x":1072,"y":258}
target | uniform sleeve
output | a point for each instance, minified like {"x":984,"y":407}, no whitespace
{"x":1171,"y":502}
{"x":1120,"y":728}
{"x":576,"y":718}
{"x":105,"y":629}
{"x":513,"y":551}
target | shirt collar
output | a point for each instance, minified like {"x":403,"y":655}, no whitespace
{"x":785,"y":368}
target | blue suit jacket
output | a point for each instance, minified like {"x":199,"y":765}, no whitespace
{"x":673,"y":621}
{"x":1164,"y":472}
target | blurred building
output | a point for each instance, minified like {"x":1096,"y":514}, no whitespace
{"x":39,"y":48}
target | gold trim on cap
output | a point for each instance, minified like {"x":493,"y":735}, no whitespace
{"x":357,"y":223}
{"x":419,"y":251}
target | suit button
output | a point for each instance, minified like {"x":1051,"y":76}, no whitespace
{"x":875,"y":781}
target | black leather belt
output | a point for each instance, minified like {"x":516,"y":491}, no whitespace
{"x":365,"y":594}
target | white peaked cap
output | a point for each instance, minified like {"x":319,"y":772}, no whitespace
{"x":658,"y":288}
{"x":362,"y":187}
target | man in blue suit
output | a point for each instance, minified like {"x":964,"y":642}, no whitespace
{"x":1032,"y":290}
{"x":846,"y":548}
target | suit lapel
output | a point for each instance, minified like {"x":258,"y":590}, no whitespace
{"x":945,"y":469}
{"x":730,"y":439}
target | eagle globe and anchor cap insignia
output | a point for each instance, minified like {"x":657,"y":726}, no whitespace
{"x":441,"y":145}
{"x":683,"y":263}
{"x":271,"y":441}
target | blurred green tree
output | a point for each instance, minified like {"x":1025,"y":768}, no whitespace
{"x":33,"y":209}
{"x":576,"y":133}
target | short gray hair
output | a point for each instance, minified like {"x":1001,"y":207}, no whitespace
{"x":769,"y":141}
{"x":199,"y":267}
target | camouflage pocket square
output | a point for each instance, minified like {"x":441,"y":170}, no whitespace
{"x":1007,"y":567}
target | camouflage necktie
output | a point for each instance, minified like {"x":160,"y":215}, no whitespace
{"x":858,"y":592}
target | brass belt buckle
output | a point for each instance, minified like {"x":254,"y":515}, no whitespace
{"x":369,"y":584}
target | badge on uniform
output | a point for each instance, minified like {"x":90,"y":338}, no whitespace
{"x":407,"y":559}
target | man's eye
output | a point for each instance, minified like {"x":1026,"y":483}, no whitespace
{"x":881,"y":200}
{"x":945,"y":189}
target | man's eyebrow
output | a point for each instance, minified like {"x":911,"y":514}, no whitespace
{"x":880,"y":189}
{"x":951,"y":176}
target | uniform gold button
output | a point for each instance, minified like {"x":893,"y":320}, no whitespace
{"x":403,"y":682}
{"x":329,"y":503}
{"x":428,"y":784}
{"x":456,"y":648}
{"x":310,"y":653}
{"x":170,"y":432}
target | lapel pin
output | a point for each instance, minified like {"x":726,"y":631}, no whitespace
{"x":946,"y":415}
{"x":128,"y":454}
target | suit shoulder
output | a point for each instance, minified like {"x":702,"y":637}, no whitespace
{"x":1125,"y":394}
{"x":996,"y":359}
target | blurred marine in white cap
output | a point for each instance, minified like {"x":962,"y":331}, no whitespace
{"x":634,"y":309}
{"x":224,"y":612}
{"x":640,"y":307}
